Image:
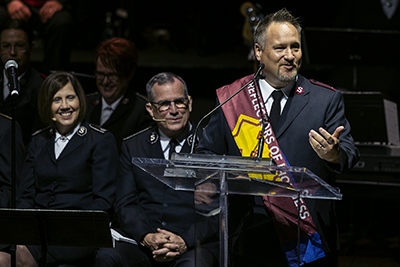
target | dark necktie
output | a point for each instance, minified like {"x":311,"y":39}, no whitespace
{"x":276,"y":108}
{"x":172,"y":144}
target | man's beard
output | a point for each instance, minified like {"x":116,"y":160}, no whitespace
{"x":287,"y":79}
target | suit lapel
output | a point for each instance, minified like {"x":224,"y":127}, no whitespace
{"x":126,"y":105}
{"x":153,"y":138}
{"x":117,"y":113}
{"x":189,"y":139}
{"x":96,"y":114}
{"x":50,"y":147}
{"x":75,"y":142}
{"x":295,"y":104}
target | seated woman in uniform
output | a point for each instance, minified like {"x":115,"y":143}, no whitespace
{"x":70,"y":165}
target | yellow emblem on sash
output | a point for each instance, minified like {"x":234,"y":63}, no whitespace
{"x":245,"y":130}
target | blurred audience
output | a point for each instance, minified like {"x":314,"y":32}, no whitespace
{"x":52,"y":20}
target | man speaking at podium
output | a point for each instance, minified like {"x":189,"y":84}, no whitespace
{"x":306,"y":121}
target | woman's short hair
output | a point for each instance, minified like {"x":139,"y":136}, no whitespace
{"x":51,"y":85}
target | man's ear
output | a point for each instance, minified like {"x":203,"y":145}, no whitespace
{"x":258,"y":51}
{"x":190,"y":103}
{"x":149,"y":109}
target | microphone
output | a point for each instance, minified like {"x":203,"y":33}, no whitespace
{"x":262,"y":76}
{"x":154,"y":119}
{"x":11,"y":67}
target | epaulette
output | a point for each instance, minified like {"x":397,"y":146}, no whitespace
{"x":93,"y":98}
{"x":137,"y":133}
{"x":143,"y":97}
{"x":322,"y":84}
{"x":5,"y":116}
{"x":92,"y":94}
{"x":42,"y":130}
{"x":98,"y":128}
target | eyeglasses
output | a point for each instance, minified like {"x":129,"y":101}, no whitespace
{"x":20,"y":47}
{"x":164,"y":105}
{"x":113,"y":77}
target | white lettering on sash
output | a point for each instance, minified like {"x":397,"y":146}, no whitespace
{"x":275,"y":151}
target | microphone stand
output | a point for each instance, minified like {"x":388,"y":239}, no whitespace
{"x":221,"y":104}
{"x":261,"y":140}
{"x":14,"y":96}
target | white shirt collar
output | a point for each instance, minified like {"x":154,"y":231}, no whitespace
{"x":113,"y":105}
{"x":267,"y":89}
{"x":69,"y":136}
{"x":164,"y":141}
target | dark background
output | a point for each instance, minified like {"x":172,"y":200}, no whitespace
{"x":202,"y":42}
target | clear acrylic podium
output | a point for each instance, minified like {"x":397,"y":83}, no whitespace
{"x":234,"y":175}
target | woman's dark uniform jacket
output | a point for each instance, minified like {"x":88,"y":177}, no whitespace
{"x":314,"y":105}
{"x":144,"y":203}
{"x":82,"y":178}
{"x":5,"y":158}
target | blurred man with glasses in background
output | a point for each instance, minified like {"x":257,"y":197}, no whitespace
{"x":16,"y":43}
{"x":117,"y":106}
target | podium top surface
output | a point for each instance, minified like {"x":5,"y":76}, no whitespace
{"x":246,"y":176}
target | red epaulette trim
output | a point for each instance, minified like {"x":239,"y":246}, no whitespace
{"x":322,"y":84}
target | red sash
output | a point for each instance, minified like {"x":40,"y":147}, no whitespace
{"x":244,"y":118}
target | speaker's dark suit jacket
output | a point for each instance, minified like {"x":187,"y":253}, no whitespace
{"x":312,"y":107}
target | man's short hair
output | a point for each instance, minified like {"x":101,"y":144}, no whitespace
{"x":118,"y":54}
{"x":163,"y":78}
{"x":281,"y":16}
{"x":17,"y":24}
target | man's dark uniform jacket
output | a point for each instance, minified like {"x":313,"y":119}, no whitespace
{"x":129,"y":117}
{"x":310,"y":105}
{"x":144,"y":203}
{"x":5,"y":158}
{"x":26,"y":113}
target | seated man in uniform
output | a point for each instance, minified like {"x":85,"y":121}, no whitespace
{"x":155,"y":225}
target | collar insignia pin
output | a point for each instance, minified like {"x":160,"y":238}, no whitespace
{"x":299,"y":90}
{"x":82,"y":131}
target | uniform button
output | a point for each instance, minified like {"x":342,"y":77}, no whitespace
{"x":163,"y":223}
{"x":165,"y":205}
